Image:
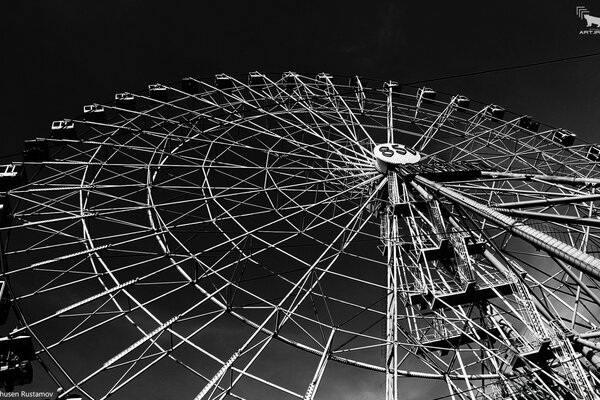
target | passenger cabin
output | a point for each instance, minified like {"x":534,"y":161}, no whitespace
{"x":94,"y":113}
{"x":190,"y":86}
{"x":256,"y":79}
{"x":63,"y":129}
{"x":125,"y":100}
{"x":495,"y":111}
{"x":526,"y":122}
{"x":16,"y":354}
{"x":158,"y":92}
{"x":223,"y":82}
{"x":564,"y":137}
{"x":426,"y":95}
{"x":462,"y":101}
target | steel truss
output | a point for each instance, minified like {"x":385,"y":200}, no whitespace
{"x":232,"y":238}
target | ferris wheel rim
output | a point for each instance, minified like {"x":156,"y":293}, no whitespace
{"x":154,"y":216}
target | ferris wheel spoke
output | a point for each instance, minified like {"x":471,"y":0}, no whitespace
{"x":354,"y":123}
{"x":548,"y":293}
{"x":284,"y":122}
{"x":160,"y":329}
{"x":194,"y":306}
{"x":543,"y":201}
{"x":305,"y":127}
{"x":243,"y":372}
{"x":466,"y":147}
{"x":329,"y":296}
{"x":295,"y":301}
{"x":281,"y":219}
{"x":554,"y":297}
{"x":109,"y":318}
{"x":254,"y":191}
{"x":137,"y":236}
{"x":333,"y":96}
{"x":45,"y":244}
{"x":157,"y":357}
{"x":331,"y":146}
{"x":64,"y":310}
{"x":253,"y":233}
{"x":299,"y":299}
{"x":304,"y":151}
{"x":270,"y":304}
{"x":550,"y":244}
{"x":433,"y":129}
{"x":277,"y":245}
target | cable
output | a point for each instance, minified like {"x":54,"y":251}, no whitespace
{"x":489,"y":71}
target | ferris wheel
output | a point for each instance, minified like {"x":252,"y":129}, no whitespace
{"x":282,"y":237}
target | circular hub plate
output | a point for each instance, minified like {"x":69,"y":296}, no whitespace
{"x":394,"y":154}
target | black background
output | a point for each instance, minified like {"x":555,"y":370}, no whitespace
{"x":60,"y":55}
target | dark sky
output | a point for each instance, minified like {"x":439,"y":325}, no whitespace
{"x":60,"y":55}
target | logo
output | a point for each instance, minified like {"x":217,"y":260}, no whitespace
{"x":592,"y":23}
{"x":391,"y":154}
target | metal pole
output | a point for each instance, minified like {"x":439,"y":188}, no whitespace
{"x":314,"y":384}
{"x":569,"y":254}
{"x":550,"y":217}
{"x":390,"y":116}
{"x":548,"y":178}
{"x":391,"y":392}
{"x":549,"y":202}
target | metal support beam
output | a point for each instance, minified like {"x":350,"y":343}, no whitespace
{"x":591,"y":334}
{"x":392,"y":313}
{"x":590,"y":350}
{"x":579,"y":282}
{"x":314,"y":384}
{"x":390,"y":113}
{"x":435,"y":126}
{"x":538,"y":177}
{"x":592,"y":356}
{"x":391,"y":391}
{"x":548,"y":202}
{"x":551,"y":217}
{"x":569,"y":254}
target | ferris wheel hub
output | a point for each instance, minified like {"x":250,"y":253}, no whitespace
{"x":391,"y":154}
